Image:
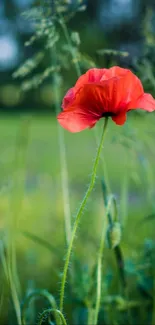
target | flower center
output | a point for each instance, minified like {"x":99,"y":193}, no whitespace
{"x":107,"y":114}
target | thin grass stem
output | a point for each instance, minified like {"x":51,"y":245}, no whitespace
{"x":63,"y":162}
{"x":11,"y":283}
{"x":19,"y":167}
{"x":67,"y":36}
{"x":99,"y":262}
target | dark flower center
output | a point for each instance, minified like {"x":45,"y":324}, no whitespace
{"x":107,"y":114}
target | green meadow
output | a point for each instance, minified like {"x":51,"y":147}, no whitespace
{"x":44,"y":170}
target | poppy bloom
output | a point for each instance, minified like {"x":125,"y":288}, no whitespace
{"x":103,"y":92}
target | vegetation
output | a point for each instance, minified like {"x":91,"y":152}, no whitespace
{"x":44,"y":174}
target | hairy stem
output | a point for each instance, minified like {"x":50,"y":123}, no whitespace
{"x":36,"y":294}
{"x":49,"y":311}
{"x":79,"y":213}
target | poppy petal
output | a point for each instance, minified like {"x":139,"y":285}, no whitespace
{"x":91,"y":76}
{"x":76,"y":120}
{"x":119,"y":92}
{"x":146,"y":102}
{"x":114,"y":72}
{"x":119,"y":119}
{"x":101,"y":98}
{"x":68,"y":98}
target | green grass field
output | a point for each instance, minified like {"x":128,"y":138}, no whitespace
{"x":31,"y":197}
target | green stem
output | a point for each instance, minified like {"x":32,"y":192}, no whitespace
{"x":19,"y":171}
{"x":117,"y":250}
{"x":124,"y":196}
{"x":90,"y":316}
{"x":56,"y":311}
{"x":120,"y":264}
{"x":153,"y":311}
{"x":15,"y":208}
{"x":67,"y":36}
{"x":153,"y":274}
{"x":64,"y":170}
{"x":61,"y":139}
{"x":15,"y":296}
{"x":104,"y":166}
{"x":79,"y":213}
{"x":99,"y":263}
{"x":39,"y":293}
{"x":65,"y":186}
{"x":11,"y":283}
{"x":63,"y":158}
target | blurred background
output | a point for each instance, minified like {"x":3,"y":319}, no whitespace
{"x":44,"y":170}
{"x":114,"y":24}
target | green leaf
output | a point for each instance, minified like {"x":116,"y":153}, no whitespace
{"x":40,"y":241}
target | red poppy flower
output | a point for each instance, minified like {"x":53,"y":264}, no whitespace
{"x":103,"y":92}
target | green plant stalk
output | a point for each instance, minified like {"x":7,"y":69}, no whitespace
{"x":124,"y":197}
{"x":36,"y":294}
{"x":120,"y":263}
{"x":99,"y":263}
{"x":153,"y":312}
{"x":153,"y":307}
{"x":67,"y":36}
{"x":65,"y":187}
{"x":3,"y":261}
{"x":18,"y":184}
{"x":117,"y":250}
{"x":15,"y":209}
{"x":79,"y":213}
{"x":90,"y":316}
{"x":1,"y":299}
{"x":38,"y":240}
{"x":104,"y":167}
{"x":63,"y":161}
{"x":56,"y":311}
{"x":11,"y":283}
{"x":15,"y":296}
{"x":64,"y":173}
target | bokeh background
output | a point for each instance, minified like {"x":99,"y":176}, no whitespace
{"x":116,"y":24}
{"x":43,"y":173}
